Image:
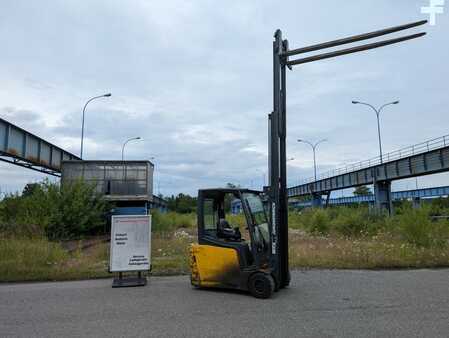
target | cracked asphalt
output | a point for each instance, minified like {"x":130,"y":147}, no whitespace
{"x":319,"y":303}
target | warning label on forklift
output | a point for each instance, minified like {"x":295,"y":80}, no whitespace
{"x":130,"y":243}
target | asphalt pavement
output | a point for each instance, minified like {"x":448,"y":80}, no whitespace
{"x":319,"y":303}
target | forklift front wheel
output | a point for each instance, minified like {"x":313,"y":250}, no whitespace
{"x":261,"y":285}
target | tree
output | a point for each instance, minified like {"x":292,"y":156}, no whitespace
{"x":30,"y":189}
{"x":362,"y":190}
{"x":60,"y":212}
{"x":183,"y":203}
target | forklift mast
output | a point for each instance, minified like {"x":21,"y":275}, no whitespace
{"x":277,"y":165}
{"x":277,"y":162}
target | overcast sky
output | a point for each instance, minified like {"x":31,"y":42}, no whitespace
{"x":194,"y":80}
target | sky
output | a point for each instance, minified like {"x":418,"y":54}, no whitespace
{"x":193,"y":79}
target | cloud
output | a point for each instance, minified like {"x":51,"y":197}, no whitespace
{"x":194,"y":80}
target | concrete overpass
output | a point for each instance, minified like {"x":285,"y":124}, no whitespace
{"x":425,"y":158}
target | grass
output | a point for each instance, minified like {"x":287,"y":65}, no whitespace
{"x":170,"y":252}
{"x":39,"y":259}
{"x":30,"y":260}
{"x":378,"y":252}
{"x":344,"y":239}
{"x":171,"y":221}
{"x":410,"y":225}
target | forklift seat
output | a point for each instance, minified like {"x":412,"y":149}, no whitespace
{"x":225,"y":231}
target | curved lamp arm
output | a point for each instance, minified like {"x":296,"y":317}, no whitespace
{"x":82,"y":124}
{"x":367,"y":104}
{"x":320,"y":141}
{"x":387,"y":104}
{"x":124,"y":144}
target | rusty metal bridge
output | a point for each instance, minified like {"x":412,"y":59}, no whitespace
{"x":22,"y":148}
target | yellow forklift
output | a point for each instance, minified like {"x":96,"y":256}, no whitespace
{"x":222,"y":257}
{"x":259,"y":263}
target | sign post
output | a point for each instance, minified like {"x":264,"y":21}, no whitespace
{"x":130,"y":248}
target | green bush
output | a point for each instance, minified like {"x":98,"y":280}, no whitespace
{"x":320,"y":222}
{"x":296,"y":220}
{"x":439,"y":206}
{"x":355,"y":222}
{"x":182,"y":203}
{"x":350,"y":222}
{"x":416,"y":226}
{"x":171,"y":221}
{"x":237,"y":220}
{"x":78,"y":211}
{"x":345,"y":221}
{"x":15,"y":218}
{"x":316,"y":221}
{"x":74,"y":210}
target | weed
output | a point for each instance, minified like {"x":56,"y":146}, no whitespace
{"x":66,"y":212}
{"x":416,"y":227}
{"x":172,"y":221}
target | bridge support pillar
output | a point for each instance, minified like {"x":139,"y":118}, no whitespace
{"x":317,"y":201}
{"x":382,"y":192}
{"x":416,"y":202}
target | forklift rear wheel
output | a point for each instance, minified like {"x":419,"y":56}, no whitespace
{"x":261,"y":285}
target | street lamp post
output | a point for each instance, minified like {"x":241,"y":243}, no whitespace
{"x":377,"y":111}
{"x":124,"y":144}
{"x":314,"y":151}
{"x":82,"y":124}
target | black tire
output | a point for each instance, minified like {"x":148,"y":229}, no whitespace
{"x":261,"y":285}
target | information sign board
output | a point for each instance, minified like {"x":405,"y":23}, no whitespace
{"x":130,"y":243}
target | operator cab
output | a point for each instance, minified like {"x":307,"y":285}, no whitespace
{"x":233,"y":250}
{"x":218,"y":226}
